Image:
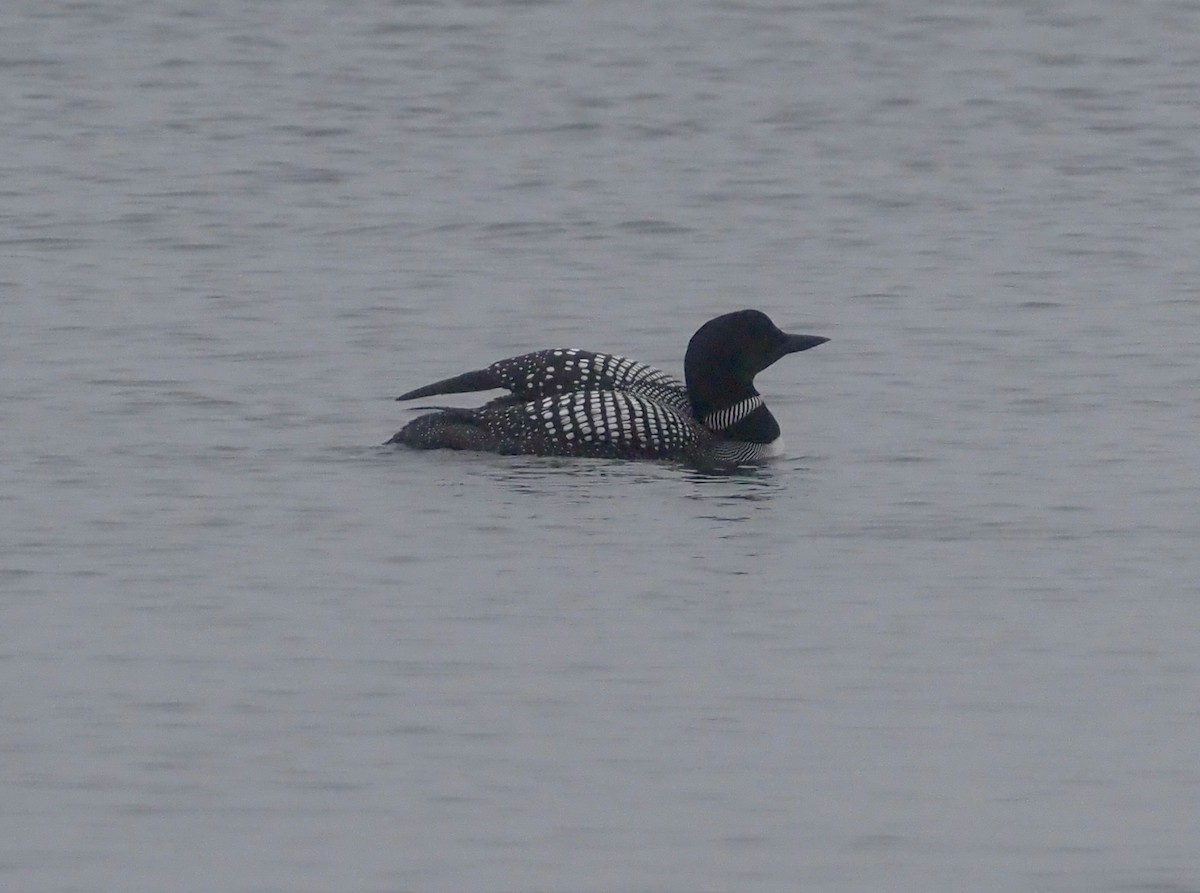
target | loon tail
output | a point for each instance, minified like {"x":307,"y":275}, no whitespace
{"x":479,"y":380}
{"x":450,"y":428}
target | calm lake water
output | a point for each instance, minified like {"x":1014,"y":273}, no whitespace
{"x":948,"y":644}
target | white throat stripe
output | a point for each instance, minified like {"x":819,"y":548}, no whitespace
{"x":731,"y":415}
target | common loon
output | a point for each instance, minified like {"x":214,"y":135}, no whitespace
{"x":569,"y":402}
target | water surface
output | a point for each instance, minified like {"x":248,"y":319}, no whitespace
{"x":947,"y":644}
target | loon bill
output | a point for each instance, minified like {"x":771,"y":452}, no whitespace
{"x":569,"y":402}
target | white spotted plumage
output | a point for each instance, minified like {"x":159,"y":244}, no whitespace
{"x":567,"y":370}
{"x":595,"y":423}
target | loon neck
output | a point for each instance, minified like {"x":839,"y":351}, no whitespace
{"x":757,"y":427}
{"x":717,"y":398}
{"x":720,"y":419}
{"x":746,"y":420}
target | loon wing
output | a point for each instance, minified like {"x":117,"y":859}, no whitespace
{"x":545,"y":373}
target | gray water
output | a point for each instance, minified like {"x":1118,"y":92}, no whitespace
{"x":948,"y":644}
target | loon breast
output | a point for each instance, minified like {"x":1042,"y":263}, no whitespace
{"x":776,"y":449}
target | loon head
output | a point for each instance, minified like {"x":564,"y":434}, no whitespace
{"x":727,"y":352}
